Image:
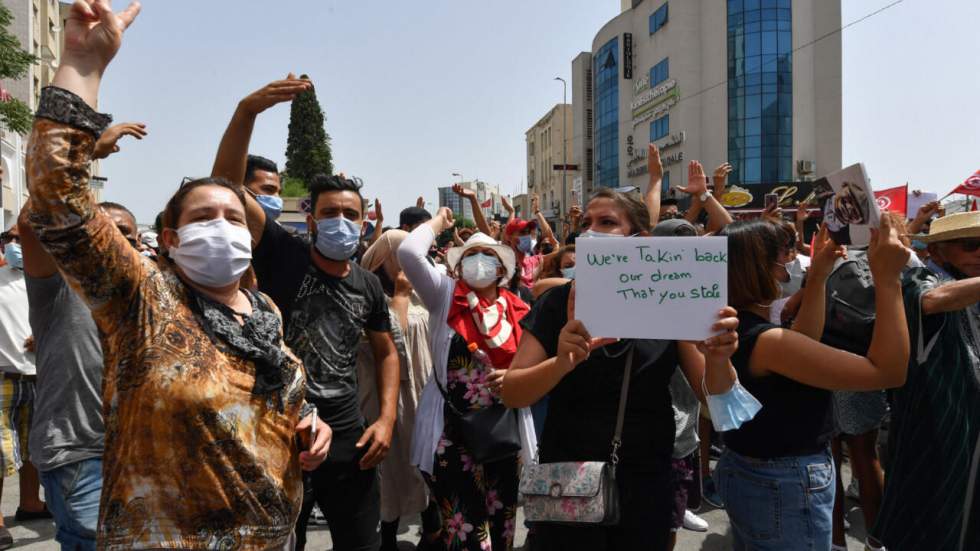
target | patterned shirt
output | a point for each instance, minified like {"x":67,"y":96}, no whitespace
{"x":193,"y":458}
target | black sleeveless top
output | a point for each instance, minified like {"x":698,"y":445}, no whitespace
{"x":582,"y":408}
{"x":795,"y":418}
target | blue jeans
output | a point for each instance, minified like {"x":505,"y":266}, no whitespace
{"x":72,"y":493}
{"x":783,"y":504}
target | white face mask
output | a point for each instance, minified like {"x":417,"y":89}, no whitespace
{"x":213,"y":253}
{"x":480,"y":270}
{"x":593,"y":233}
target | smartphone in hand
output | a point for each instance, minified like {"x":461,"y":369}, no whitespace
{"x":306,"y":437}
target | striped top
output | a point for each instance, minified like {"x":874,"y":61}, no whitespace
{"x":935,"y":425}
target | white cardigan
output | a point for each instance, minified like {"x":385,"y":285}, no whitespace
{"x":436,"y":291}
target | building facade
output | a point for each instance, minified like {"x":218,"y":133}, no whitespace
{"x":38,"y":25}
{"x":756,"y":83}
{"x":550,"y":171}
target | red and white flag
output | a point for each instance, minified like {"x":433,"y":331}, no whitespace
{"x":893,"y":199}
{"x":486,"y":204}
{"x":971,"y":186}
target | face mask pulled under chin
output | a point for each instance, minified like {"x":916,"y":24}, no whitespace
{"x":480,"y":270}
{"x":213,"y":253}
{"x":337,"y":238}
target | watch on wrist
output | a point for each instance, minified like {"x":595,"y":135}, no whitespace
{"x":704,"y":197}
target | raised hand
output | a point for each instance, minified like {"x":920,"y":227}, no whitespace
{"x":927,"y":211}
{"x":723,"y":345}
{"x":802,"y":213}
{"x":93,"y":33}
{"x":535,"y":204}
{"x":506,"y":203}
{"x":654,"y":164}
{"x":697,"y":182}
{"x":274,"y":93}
{"x":467,"y":193}
{"x":720,"y":177}
{"x":886,"y":254}
{"x":824,"y":253}
{"x":443,"y":220}
{"x":379,"y":216}
{"x":420,"y":202}
{"x":107,"y":144}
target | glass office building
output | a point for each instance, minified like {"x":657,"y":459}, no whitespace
{"x":760,"y":91}
{"x":606,"y":111}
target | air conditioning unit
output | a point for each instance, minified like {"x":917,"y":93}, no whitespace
{"x":806,"y":167}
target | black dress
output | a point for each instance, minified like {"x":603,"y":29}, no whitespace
{"x":478,"y":501}
{"x":582,"y":420}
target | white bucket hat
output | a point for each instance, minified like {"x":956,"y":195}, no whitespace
{"x":483,"y":241}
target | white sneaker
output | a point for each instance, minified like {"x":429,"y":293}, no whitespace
{"x":694,"y":523}
{"x":852,"y":489}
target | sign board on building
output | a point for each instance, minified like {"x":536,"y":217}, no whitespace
{"x":565,"y":167}
{"x":628,"y":56}
{"x":751,"y":197}
{"x":652,"y":94}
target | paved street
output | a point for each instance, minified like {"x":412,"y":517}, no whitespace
{"x":40,"y":535}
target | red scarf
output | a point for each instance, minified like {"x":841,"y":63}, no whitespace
{"x":493,"y":326}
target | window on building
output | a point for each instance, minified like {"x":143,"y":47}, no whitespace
{"x":659,"y":72}
{"x":606,"y":109}
{"x":658,"y":19}
{"x":760,"y":91}
{"x":659,"y":128}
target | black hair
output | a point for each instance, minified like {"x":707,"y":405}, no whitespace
{"x":258,"y":163}
{"x":324,"y":184}
{"x":668,"y":202}
{"x":158,"y":223}
{"x":175,"y":206}
{"x":109,"y":205}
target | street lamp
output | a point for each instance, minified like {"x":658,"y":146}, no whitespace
{"x":564,"y":148}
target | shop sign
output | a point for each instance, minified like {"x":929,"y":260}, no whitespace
{"x":653,"y":94}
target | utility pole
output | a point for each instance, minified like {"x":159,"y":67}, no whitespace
{"x":564,"y":150}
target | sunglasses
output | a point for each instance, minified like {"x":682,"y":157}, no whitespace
{"x":968,"y":245}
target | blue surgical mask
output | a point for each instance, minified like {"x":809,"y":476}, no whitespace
{"x":271,"y":204}
{"x":14,"y":255}
{"x":526,"y":244}
{"x":337,"y":238}
{"x":568,"y":273}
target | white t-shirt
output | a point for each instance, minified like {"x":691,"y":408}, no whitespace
{"x":14,"y":323}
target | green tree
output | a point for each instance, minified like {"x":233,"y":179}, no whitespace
{"x":14,"y":64}
{"x":308,"y":146}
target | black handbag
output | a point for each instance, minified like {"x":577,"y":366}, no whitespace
{"x":489,"y":434}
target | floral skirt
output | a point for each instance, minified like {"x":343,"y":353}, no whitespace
{"x":478,"y":501}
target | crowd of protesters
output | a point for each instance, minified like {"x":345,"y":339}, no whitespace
{"x":210,"y":384}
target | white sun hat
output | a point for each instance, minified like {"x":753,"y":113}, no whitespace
{"x":484,"y":241}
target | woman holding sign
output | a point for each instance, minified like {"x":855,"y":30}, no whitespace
{"x":473,"y":322}
{"x":584,"y":378}
{"x":776,"y":475}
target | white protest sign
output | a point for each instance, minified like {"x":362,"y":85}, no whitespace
{"x":651,"y":287}
{"x":916,"y":201}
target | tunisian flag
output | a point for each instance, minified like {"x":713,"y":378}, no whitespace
{"x":970,"y":187}
{"x":893,"y":199}
{"x":486,"y":204}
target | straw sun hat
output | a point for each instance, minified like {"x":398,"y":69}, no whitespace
{"x":482,"y":240}
{"x":954,"y":226}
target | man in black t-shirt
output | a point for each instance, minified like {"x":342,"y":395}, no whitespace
{"x":327,"y":304}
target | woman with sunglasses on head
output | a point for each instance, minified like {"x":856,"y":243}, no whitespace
{"x":583,"y":377}
{"x":204,"y":403}
{"x":474,"y":323}
{"x":776,"y":475}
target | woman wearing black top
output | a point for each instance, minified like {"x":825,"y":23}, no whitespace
{"x":776,"y":475}
{"x":554,"y":358}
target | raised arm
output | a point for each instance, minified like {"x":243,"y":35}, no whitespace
{"x":803,"y":359}
{"x":654,"y":192}
{"x":95,"y":258}
{"x":109,"y":141}
{"x":470,"y":195}
{"x":811,"y":316}
{"x":926,"y":212}
{"x":37,"y":262}
{"x":801,"y":215}
{"x":232,"y":155}
{"x":511,"y":214}
{"x":546,"y":232}
{"x":379,"y":219}
{"x":949,"y":297}
{"x":430,"y":284}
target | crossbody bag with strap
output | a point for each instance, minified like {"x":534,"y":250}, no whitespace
{"x":578,"y":492}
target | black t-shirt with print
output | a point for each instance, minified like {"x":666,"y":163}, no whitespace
{"x":324,"y":318}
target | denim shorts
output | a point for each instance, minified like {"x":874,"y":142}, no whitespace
{"x":785,"y":503}
{"x":72,"y":493}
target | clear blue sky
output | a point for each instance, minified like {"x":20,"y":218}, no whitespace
{"x":414,"y":91}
